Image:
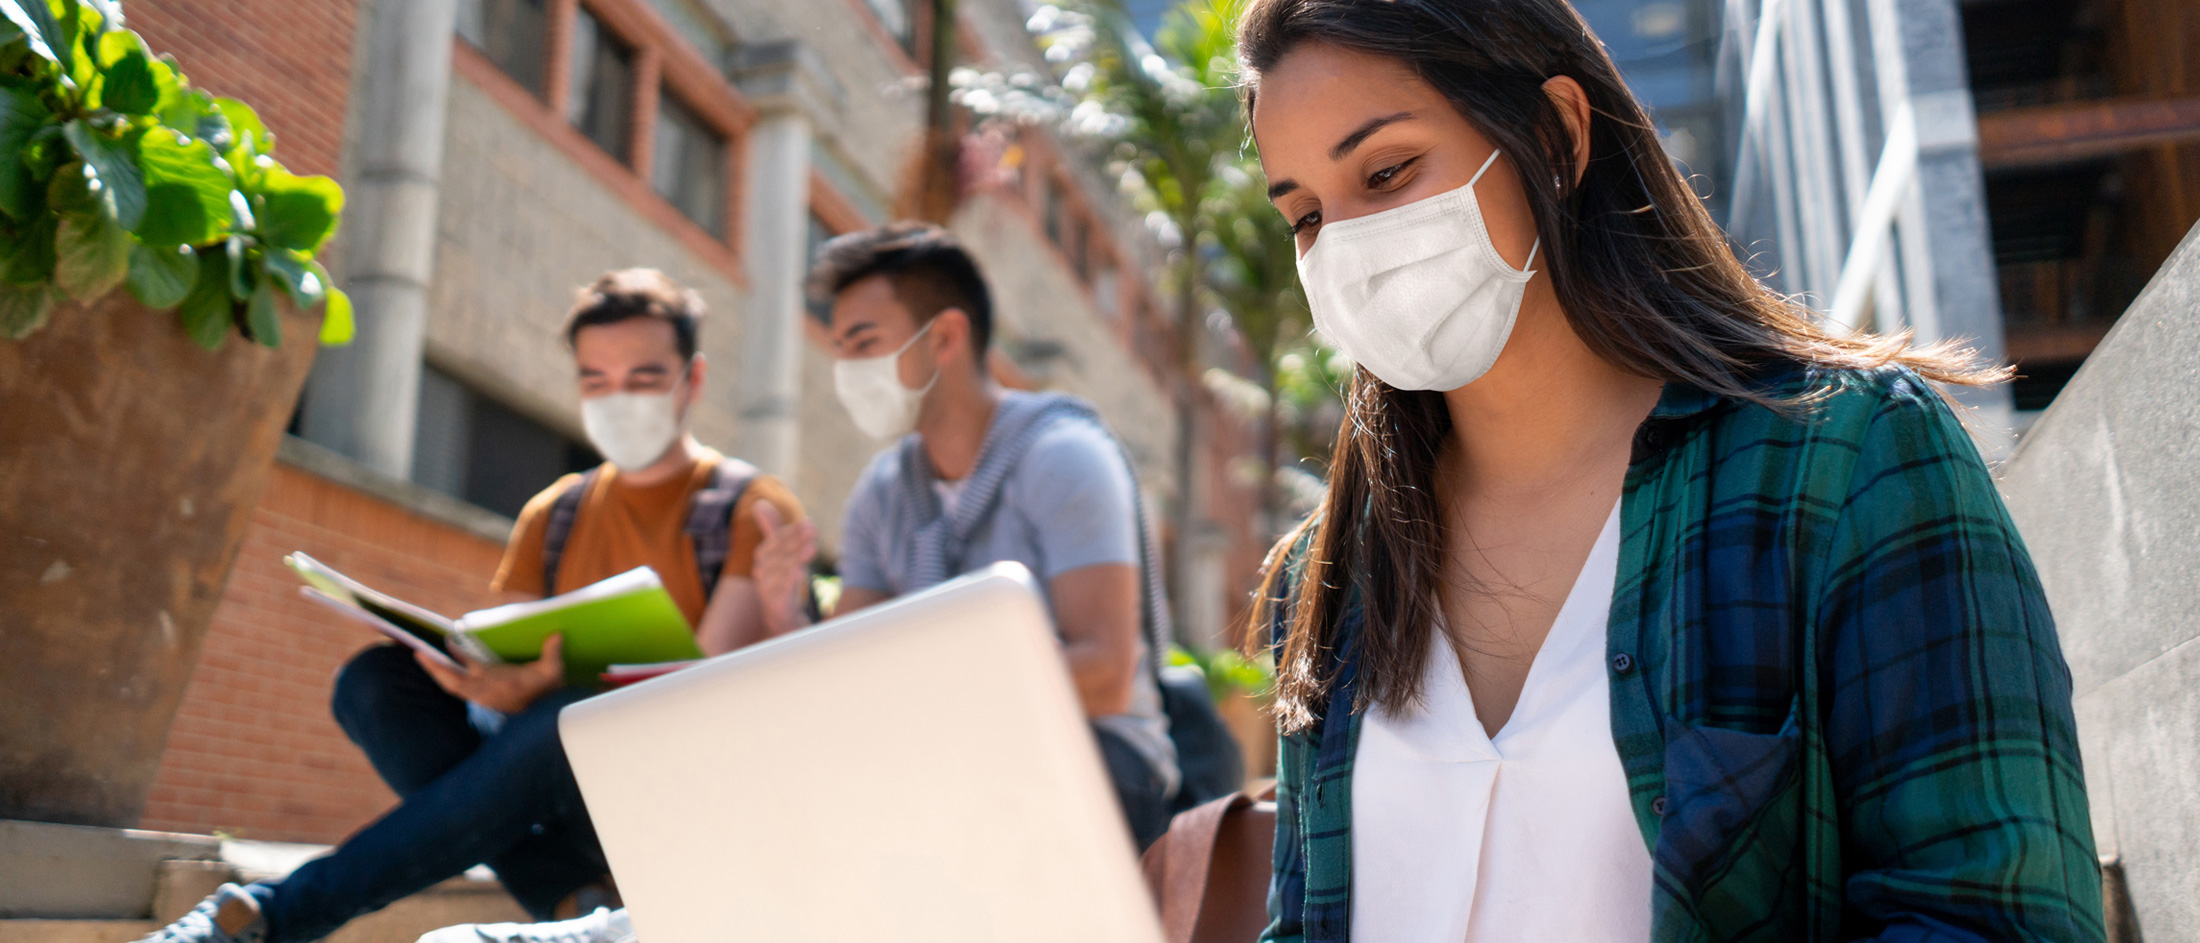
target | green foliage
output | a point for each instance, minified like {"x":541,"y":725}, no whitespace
{"x":1228,"y":672}
{"x":1175,"y":132}
{"x":115,"y":171}
{"x":162,"y":279}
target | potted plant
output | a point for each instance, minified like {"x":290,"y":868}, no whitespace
{"x":134,"y":443}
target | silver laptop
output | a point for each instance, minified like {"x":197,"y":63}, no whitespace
{"x":916,"y":771}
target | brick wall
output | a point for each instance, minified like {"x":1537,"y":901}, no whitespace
{"x":288,"y":59}
{"x":253,"y":752}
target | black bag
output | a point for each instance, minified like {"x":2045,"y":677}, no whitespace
{"x":1208,"y":755}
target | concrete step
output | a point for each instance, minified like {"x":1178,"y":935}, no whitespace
{"x":73,"y":884}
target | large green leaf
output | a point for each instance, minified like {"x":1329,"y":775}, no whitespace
{"x":208,"y":312}
{"x":213,"y":126}
{"x":336,"y":323}
{"x":186,"y":193}
{"x":161,"y":278}
{"x":92,"y":254}
{"x":21,"y":115}
{"x":264,"y":318}
{"x":300,"y":278}
{"x":114,"y":162}
{"x":297,"y":212}
{"x":26,"y":254}
{"x":23,"y":308}
{"x":132,"y":86}
{"x":109,"y":12}
{"x":184,"y":111}
{"x":251,"y":137}
{"x":78,"y":24}
{"x":38,"y":23}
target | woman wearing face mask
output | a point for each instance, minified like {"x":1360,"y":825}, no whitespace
{"x":1641,"y":608}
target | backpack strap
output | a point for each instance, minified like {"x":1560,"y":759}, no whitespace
{"x":710,"y":519}
{"x":563,"y":511}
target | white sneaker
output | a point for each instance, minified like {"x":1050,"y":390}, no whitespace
{"x":602,"y":926}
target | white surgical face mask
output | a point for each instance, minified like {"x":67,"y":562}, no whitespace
{"x":633,"y":430}
{"x":870,"y":389}
{"x":1416,"y":294}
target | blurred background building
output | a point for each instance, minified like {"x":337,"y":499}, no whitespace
{"x":498,"y":154}
{"x":2005,"y":171}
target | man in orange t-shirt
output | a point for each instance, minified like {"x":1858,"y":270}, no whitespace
{"x":474,"y":754}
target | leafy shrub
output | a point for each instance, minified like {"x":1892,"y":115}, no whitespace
{"x":115,"y":171}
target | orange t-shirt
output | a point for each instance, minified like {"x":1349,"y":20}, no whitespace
{"x":620,"y":527}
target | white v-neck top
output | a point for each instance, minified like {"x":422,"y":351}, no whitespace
{"x":1527,"y":837}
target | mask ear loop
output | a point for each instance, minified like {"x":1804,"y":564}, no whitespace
{"x":1485,"y":168}
{"x":1477,"y":179}
{"x":911,"y":342}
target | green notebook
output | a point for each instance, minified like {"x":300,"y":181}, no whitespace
{"x":628,"y":619}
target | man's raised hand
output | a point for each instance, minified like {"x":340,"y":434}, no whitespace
{"x":782,"y":569}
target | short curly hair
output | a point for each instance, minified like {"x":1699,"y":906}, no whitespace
{"x":625,"y":294}
{"x":927,"y":266}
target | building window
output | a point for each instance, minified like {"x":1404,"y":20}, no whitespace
{"x":894,"y":15}
{"x":476,"y":449}
{"x":690,"y":159}
{"x":650,"y":102}
{"x":510,"y":33}
{"x":601,"y":91}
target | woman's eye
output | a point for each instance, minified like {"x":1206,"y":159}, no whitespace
{"x":1386,"y":176}
{"x":1306,"y":222}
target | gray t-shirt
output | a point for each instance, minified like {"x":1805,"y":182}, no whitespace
{"x":1069,"y":502}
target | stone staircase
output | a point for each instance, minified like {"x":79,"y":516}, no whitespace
{"x":74,"y":884}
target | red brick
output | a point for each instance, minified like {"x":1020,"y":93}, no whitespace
{"x":253,"y":751}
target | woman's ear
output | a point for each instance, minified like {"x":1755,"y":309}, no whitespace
{"x":1573,"y":108}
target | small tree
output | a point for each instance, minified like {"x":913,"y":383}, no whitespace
{"x":1177,"y":136}
{"x":115,"y":171}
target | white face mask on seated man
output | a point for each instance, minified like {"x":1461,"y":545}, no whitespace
{"x":870,"y":389}
{"x":634,"y":430}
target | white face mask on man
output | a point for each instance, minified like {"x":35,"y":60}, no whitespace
{"x":870,"y":389}
{"x":634,"y":430}
{"x":1416,"y":294}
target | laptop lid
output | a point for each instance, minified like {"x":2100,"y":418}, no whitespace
{"x":917,"y":771}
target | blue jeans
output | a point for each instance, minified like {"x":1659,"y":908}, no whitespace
{"x":505,"y":799}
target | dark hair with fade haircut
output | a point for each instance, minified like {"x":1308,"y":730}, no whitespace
{"x":629,"y":293}
{"x":927,"y":266}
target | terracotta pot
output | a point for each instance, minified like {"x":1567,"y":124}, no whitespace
{"x":130,"y":463}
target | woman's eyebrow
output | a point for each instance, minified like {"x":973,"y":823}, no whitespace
{"x":1344,"y":146}
{"x":1359,"y":135}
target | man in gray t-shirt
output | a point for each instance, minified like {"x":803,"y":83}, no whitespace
{"x":979,"y":475}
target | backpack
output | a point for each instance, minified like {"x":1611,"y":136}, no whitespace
{"x":709,"y":522}
{"x":1209,"y":762}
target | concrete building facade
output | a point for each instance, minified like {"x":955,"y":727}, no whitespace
{"x":2007,"y":173}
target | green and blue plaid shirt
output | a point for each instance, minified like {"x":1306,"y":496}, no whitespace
{"x":1835,"y":685}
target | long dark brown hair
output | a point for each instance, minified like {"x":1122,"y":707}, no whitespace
{"x":1646,"y":279}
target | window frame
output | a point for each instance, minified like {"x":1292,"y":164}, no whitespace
{"x":664,"y":62}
